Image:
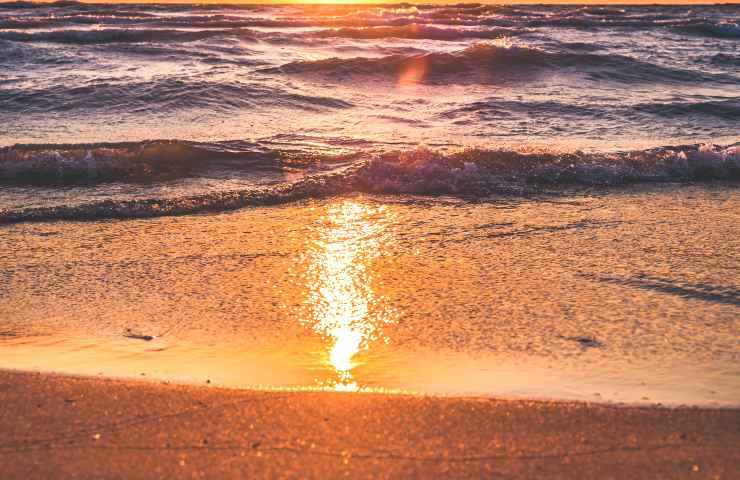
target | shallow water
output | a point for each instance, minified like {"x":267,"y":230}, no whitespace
{"x":619,"y":296}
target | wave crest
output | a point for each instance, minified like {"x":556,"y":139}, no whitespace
{"x":473,"y":174}
{"x":712,"y":29}
{"x":483,"y":172}
{"x":490,"y":61}
{"x":118,"y":35}
{"x":418,"y":31}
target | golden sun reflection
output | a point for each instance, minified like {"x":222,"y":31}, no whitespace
{"x":344,"y":307}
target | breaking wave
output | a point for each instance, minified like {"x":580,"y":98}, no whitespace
{"x":483,"y":172}
{"x":471,"y":174}
{"x":136,"y":161}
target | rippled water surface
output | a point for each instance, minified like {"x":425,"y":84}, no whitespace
{"x":347,"y":76}
{"x":253,"y":99}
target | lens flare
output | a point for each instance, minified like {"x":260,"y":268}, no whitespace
{"x":413,"y":72}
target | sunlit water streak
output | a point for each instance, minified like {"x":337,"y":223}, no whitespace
{"x":342,"y":306}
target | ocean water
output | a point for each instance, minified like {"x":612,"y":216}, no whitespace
{"x":465,"y":199}
{"x":157,"y":109}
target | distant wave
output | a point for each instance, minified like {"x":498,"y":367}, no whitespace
{"x":117,"y":35}
{"x":94,"y":7}
{"x":712,"y":29}
{"x":124,"y":19}
{"x":491,"y":61}
{"x":230,"y":29}
{"x":161,"y":95}
{"x":23,"y":5}
{"x":721,"y":21}
{"x":417,"y":31}
{"x":112,"y":19}
{"x":708,"y":28}
{"x":467,"y":174}
{"x":590,"y":22}
{"x":724,"y":109}
{"x":725,"y":59}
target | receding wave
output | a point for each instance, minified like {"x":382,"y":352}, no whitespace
{"x":489,"y":62}
{"x":472,"y":174}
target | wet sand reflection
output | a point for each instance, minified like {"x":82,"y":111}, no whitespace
{"x":341,"y":305}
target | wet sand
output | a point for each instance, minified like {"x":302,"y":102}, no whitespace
{"x":70,"y":427}
{"x":626,"y":295}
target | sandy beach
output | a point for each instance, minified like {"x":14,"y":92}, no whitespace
{"x":66,"y":427}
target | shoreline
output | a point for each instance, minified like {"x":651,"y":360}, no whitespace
{"x":146,"y":380}
{"x":497,"y":378}
{"x":63,"y":426}
{"x":303,"y":192}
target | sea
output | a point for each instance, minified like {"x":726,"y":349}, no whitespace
{"x":182,"y":103}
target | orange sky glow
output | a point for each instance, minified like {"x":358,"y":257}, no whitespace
{"x":350,"y":2}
